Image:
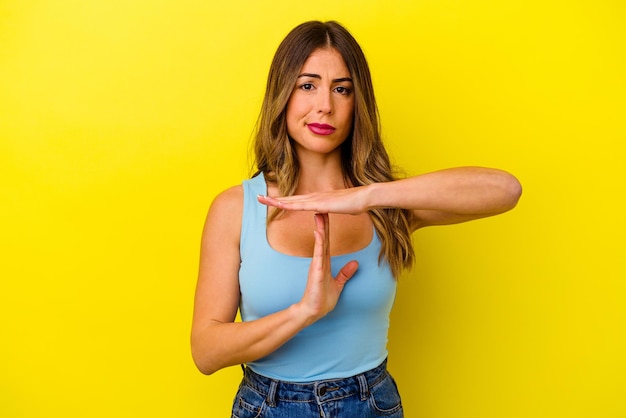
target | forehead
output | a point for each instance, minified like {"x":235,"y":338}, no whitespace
{"x":326,"y":60}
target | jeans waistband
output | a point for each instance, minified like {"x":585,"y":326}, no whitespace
{"x":320,"y":391}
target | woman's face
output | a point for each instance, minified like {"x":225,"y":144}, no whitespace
{"x":320,"y":109}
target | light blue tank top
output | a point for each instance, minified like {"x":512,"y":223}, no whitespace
{"x":349,"y":340}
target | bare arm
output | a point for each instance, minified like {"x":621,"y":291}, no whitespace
{"x":216,"y":340}
{"x":438,"y":198}
{"x":451,"y":196}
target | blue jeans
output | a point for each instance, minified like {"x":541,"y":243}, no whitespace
{"x":370,"y":394}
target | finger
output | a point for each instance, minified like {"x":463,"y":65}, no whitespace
{"x":320,"y":250}
{"x":325,"y":224}
{"x":347,"y":272}
{"x":302,"y":202}
{"x":269,"y":201}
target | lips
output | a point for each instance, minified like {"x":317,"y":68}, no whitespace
{"x":320,"y":128}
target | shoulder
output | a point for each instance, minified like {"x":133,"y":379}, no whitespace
{"x":229,"y":199}
{"x":224,"y":216}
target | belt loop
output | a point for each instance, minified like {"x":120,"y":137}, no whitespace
{"x":365,"y":392}
{"x":271,"y":394}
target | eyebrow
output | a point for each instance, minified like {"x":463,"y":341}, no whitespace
{"x":336,"y":80}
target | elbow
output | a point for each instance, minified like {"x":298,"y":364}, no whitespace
{"x":512,"y":191}
{"x":203,"y":365}
{"x":202,"y":360}
{"x":205,"y":370}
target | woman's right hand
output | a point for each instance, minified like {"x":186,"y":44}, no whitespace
{"x":218,"y":340}
{"x":322,"y":289}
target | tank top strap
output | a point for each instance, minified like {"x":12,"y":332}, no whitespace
{"x":253,"y":230}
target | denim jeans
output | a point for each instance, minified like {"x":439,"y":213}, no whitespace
{"x":370,"y":394}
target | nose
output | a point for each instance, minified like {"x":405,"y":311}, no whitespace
{"x":325,"y":103}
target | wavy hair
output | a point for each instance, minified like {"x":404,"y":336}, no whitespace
{"x":363,"y":156}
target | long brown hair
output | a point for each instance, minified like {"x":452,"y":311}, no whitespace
{"x":364,"y":158}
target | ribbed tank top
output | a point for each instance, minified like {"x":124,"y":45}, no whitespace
{"x":349,"y":340}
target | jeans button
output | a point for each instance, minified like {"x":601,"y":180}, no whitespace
{"x":322,"y":391}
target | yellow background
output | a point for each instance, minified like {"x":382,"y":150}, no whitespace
{"x":120,"y":120}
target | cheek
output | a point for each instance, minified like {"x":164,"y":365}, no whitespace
{"x":349,"y":115}
{"x":350,"y":108}
{"x":295,"y":110}
{"x":290,"y":116}
{"x":291,"y":123}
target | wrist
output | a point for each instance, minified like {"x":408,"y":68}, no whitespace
{"x":372,"y":196}
{"x":301,"y":315}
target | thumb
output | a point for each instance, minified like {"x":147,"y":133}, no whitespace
{"x":347,"y":272}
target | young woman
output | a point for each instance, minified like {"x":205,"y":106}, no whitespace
{"x":310,"y":248}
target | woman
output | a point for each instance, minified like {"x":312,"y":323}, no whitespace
{"x":315,"y":307}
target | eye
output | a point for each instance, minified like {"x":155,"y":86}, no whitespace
{"x":342,"y":90}
{"x":306,"y":86}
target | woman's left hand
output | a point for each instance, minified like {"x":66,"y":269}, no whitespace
{"x":438,"y":198}
{"x":352,"y":201}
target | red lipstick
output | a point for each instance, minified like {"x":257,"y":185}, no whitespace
{"x":320,"y":128}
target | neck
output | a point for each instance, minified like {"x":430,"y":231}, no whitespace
{"x":320,"y":174}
